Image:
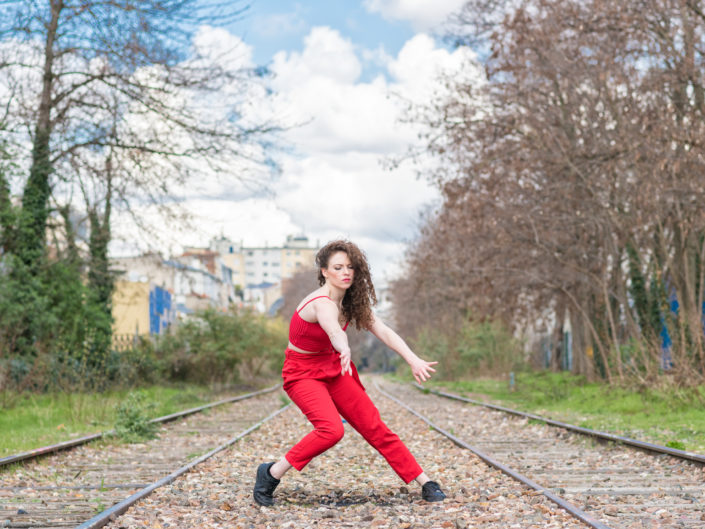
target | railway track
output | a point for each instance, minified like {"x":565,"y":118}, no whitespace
{"x":74,"y":487}
{"x":603,"y":486}
{"x":67,"y":445}
{"x":608,"y":484}
{"x":604,"y":436}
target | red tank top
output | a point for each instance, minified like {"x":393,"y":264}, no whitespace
{"x":309,"y":336}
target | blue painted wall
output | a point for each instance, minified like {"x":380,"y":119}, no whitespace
{"x":160,"y":313}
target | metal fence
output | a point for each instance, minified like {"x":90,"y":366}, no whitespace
{"x":126,"y":342}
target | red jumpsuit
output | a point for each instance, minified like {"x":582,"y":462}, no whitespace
{"x":315,"y":383}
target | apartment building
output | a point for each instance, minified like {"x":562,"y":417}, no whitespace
{"x":254,"y":265}
{"x":258,"y":271}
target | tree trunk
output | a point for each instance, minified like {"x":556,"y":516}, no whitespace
{"x":6,"y":217}
{"x":100,"y":278}
{"x":612,"y":326}
{"x":33,"y":218}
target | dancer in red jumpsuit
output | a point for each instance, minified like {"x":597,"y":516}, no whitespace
{"x":322,"y":381}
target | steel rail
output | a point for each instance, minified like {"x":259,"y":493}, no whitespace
{"x":37,"y":452}
{"x":681,"y":454}
{"x":568,"y":507}
{"x":116,"y":510}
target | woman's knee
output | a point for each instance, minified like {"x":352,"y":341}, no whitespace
{"x":331,"y":432}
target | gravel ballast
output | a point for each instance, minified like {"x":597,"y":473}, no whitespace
{"x":349,"y":486}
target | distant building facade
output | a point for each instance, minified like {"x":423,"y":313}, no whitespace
{"x":151,"y":292}
{"x":254,"y":265}
{"x":258,"y":271}
{"x":141,"y":308}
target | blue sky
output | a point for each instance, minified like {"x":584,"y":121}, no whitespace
{"x":274,"y":25}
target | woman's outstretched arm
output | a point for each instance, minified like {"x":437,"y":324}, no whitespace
{"x":421,"y":369}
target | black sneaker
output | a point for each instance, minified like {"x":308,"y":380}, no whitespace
{"x":431,"y":491}
{"x":265,"y":485}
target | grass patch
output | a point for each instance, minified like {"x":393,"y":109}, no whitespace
{"x":667,"y":417}
{"x":39,"y":420}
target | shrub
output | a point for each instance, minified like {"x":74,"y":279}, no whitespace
{"x":212,"y":347}
{"x":478,"y":347}
{"x":222,"y":348}
{"x":133,"y":366}
{"x":49,"y":332}
{"x":133,"y":424}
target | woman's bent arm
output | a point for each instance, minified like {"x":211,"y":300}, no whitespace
{"x":327,"y":316}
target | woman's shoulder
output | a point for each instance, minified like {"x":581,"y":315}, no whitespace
{"x":314,"y":296}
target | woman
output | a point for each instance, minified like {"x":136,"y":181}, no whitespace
{"x":320,"y":378}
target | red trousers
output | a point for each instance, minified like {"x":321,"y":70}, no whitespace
{"x":313,"y":381}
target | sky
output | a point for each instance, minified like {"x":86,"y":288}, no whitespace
{"x":341,"y":74}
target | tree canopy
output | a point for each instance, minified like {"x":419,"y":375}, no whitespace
{"x":107,"y":106}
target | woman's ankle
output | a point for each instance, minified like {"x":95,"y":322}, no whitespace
{"x":422,"y":479}
{"x":278,"y":469}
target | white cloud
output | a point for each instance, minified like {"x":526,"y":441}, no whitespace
{"x":326,"y":54}
{"x":351,"y":192}
{"x":223,"y":48}
{"x":422,"y":14}
{"x":332,"y":182}
{"x":420,"y":65}
{"x":345,"y":117}
{"x":342,"y":114}
{"x":254,"y":221}
{"x":378,"y":57}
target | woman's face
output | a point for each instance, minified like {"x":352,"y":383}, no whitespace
{"x":340,"y":271}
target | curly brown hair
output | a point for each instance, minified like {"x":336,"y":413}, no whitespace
{"x":361,"y":296}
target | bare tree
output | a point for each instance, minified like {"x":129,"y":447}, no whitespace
{"x":570,"y":181}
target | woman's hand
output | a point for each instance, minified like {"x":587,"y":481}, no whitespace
{"x":345,"y":362}
{"x":421,"y":369}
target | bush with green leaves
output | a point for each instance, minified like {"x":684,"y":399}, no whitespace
{"x":212,"y":347}
{"x":51,"y":335}
{"x":215,"y":347}
{"x":478,"y":347}
{"x":132,"y":423}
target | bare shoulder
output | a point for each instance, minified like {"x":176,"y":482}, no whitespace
{"x":311,"y":303}
{"x":312,"y":298}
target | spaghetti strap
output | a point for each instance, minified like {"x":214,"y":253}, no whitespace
{"x":309,"y":301}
